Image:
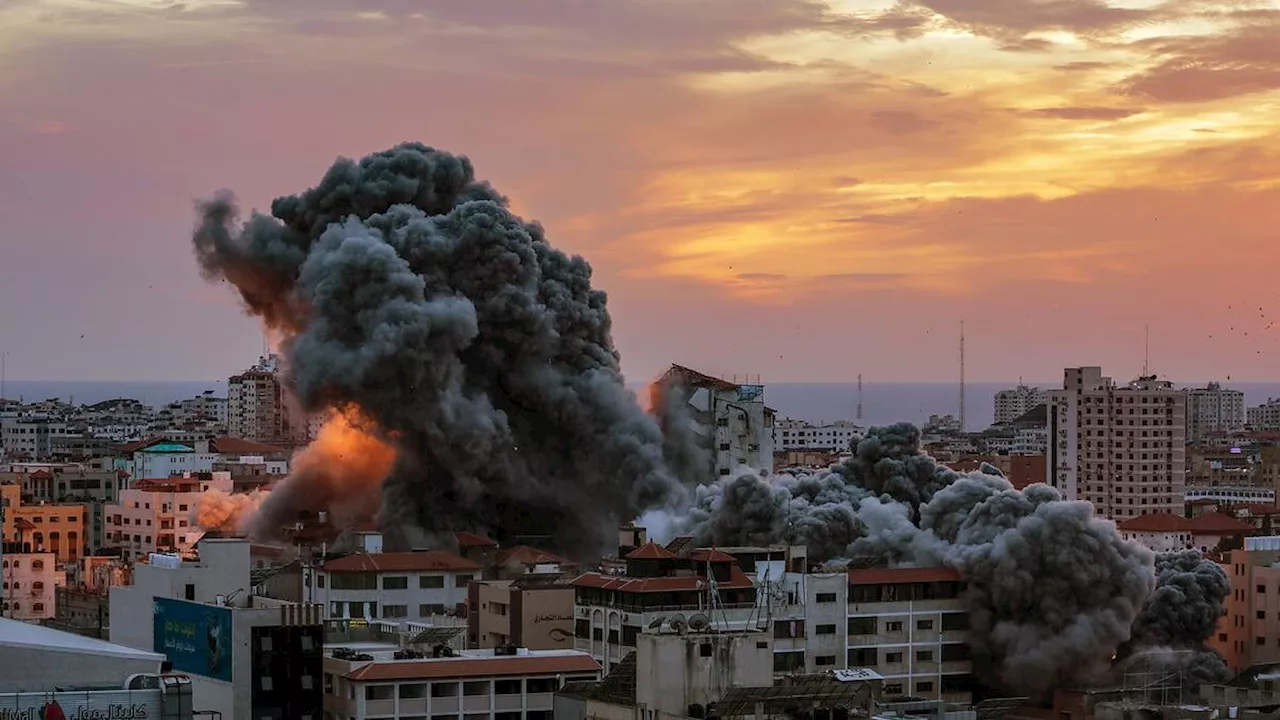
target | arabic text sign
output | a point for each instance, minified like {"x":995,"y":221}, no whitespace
{"x":196,"y":638}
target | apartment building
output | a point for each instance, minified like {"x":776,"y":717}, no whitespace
{"x":610,"y":611}
{"x":395,"y":586}
{"x":28,"y":582}
{"x":1122,"y":448}
{"x":1163,"y":532}
{"x":155,"y":516}
{"x":729,"y":421}
{"x":1015,"y":402}
{"x":1264,"y":417}
{"x":532,"y":611}
{"x":1249,"y":633}
{"x":505,"y":684}
{"x":258,"y":407}
{"x":30,"y":435}
{"x":909,"y":625}
{"x":797,"y":436}
{"x":58,"y":528}
{"x":1213,"y":409}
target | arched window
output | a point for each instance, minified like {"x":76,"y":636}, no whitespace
{"x":38,"y":607}
{"x":37,"y":538}
{"x":37,"y":564}
{"x":37,"y":586}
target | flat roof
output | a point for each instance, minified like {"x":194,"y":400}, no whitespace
{"x":537,"y":662}
{"x":18,"y":634}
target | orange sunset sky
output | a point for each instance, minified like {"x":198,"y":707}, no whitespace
{"x":798,"y":189}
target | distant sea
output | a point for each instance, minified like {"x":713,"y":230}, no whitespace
{"x":882,"y":403}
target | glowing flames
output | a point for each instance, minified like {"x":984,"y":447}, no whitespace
{"x":346,"y":460}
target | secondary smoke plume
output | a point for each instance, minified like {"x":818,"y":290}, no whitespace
{"x":1178,"y":620}
{"x":1052,"y":590}
{"x":482,"y":355}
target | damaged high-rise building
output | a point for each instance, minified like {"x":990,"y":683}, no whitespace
{"x":726,"y":426}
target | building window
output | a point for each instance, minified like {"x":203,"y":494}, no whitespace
{"x":395,"y":611}
{"x":924,"y":656}
{"x":955,"y":621}
{"x":825,"y":660}
{"x":924,"y":624}
{"x":893,"y":626}
{"x":825,"y":630}
{"x":892,"y":689}
{"x":826,"y":597}
{"x":893,"y":658}
{"x":430,"y":582}
{"x":429,"y":609}
{"x":924,"y":687}
{"x":190,"y":591}
{"x":862,"y":626}
{"x":395,"y":582}
{"x":462,"y":581}
{"x":380,"y":692}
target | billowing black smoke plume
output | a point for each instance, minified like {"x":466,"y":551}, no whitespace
{"x":1178,"y":619}
{"x":1053,"y":591}
{"x":407,"y":289}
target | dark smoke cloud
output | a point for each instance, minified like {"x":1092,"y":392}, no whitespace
{"x":1179,"y":618}
{"x":404,"y":287}
{"x":1052,"y":590}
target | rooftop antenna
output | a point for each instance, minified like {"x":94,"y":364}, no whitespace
{"x":859,"y":397}
{"x":962,"y":426}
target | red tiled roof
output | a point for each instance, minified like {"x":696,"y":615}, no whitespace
{"x":711,"y":555}
{"x":167,"y":485}
{"x":239,"y":446}
{"x":526,"y":555}
{"x":1155,"y":522}
{"x":1219,"y":523}
{"x":41,"y":475}
{"x":1203,"y":501}
{"x":1214,"y":523}
{"x":1257,"y":508}
{"x":473,"y":667}
{"x":680,"y":543}
{"x":400,"y":562}
{"x":893,"y":576}
{"x":622,"y":583}
{"x":466,"y":539}
{"x":650,"y":551}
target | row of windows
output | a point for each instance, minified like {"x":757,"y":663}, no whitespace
{"x":868,"y":625}
{"x":369,"y":581}
{"x":470,"y":688}
{"x":867,"y":658}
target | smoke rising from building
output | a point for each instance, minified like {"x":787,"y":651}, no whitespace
{"x":225,"y":512}
{"x":1053,"y":591}
{"x":405,"y":288}
{"x":473,"y":374}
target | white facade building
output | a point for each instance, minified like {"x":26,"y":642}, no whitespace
{"x":1030,"y":441}
{"x":1265,"y":416}
{"x":729,"y":421}
{"x":839,"y":436}
{"x":30,"y":435}
{"x":1122,"y":448}
{"x":1016,"y":402}
{"x":156,"y":515}
{"x":1213,"y":409}
{"x":394,"y":586}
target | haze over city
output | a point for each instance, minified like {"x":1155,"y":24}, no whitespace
{"x":800,"y":190}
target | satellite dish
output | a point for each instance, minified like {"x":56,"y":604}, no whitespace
{"x":657,"y":623}
{"x":678,"y":623}
{"x":699,"y":622}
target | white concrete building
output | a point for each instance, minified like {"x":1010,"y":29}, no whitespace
{"x":375,"y":680}
{"x":258,"y":407}
{"x":1030,"y":441}
{"x":1265,"y":416}
{"x":395,"y":586}
{"x":1013,"y":403}
{"x":1122,"y":448}
{"x":799,"y":435}
{"x":730,"y":422}
{"x":1213,"y":409}
{"x":29,"y":586}
{"x":1163,"y":532}
{"x":247,"y":656}
{"x":30,"y":435}
{"x":156,"y":515}
{"x":1228,"y":495}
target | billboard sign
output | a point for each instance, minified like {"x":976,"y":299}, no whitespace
{"x":195,"y":637}
{"x":82,"y":705}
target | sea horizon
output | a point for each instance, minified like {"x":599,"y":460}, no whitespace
{"x":883,"y":403}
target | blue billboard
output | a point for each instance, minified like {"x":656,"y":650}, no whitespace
{"x":196,"y":638}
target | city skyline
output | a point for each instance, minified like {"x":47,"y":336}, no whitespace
{"x":814,"y":190}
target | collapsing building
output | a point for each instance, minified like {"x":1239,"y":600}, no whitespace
{"x":725,"y":426}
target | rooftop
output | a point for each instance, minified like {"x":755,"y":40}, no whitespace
{"x":892,"y":576}
{"x":650,"y":551}
{"x":525,"y":555}
{"x":423,"y":561}
{"x":17,"y":634}
{"x":677,"y":583}
{"x":466,"y":539}
{"x":544,"y":662}
{"x":1209,"y":523}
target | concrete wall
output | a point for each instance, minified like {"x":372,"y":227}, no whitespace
{"x":545,"y":618}
{"x":676,"y":671}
